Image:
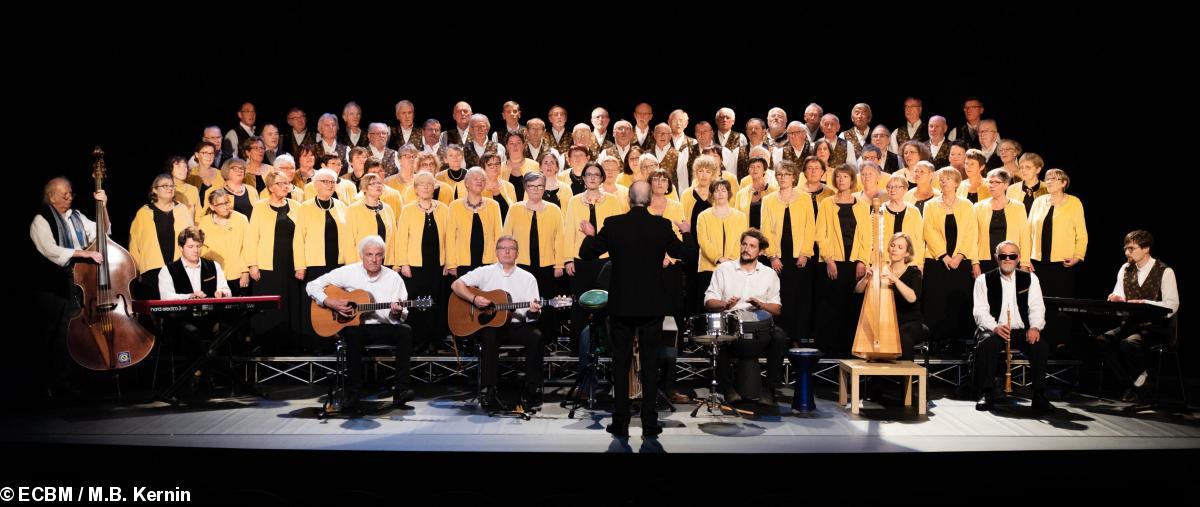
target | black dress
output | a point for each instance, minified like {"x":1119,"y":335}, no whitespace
{"x":279,"y":330}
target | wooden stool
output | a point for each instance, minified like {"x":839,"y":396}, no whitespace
{"x":857,"y":368}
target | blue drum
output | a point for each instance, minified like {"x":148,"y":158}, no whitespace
{"x":804,"y":362}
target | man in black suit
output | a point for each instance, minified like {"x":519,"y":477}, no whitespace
{"x":636,"y":243}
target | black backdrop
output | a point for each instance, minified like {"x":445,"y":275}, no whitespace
{"x":1063,"y":84}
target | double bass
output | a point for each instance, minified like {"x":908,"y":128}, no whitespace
{"x":105,"y":334}
{"x":878,"y":335}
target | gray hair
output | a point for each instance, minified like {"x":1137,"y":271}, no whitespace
{"x":1008,"y":243}
{"x":286,"y":158}
{"x":325,"y":171}
{"x":380,"y":126}
{"x":369,"y":241}
{"x":404,"y":103}
{"x":475,"y":171}
{"x":50,"y":188}
{"x":532,"y":177}
{"x":479,"y":117}
{"x":507,"y":237}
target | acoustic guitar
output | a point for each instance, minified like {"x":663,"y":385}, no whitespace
{"x":328,"y":322}
{"x":466,"y":319}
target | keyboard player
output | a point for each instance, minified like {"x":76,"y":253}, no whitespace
{"x":191,"y":277}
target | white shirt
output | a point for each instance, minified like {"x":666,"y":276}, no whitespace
{"x":599,"y":136}
{"x":518,"y":283}
{"x":354,"y":136}
{"x":730,"y":280}
{"x":329,"y":148}
{"x":681,"y":172}
{"x":405,"y":134}
{"x":954,"y":133}
{"x":935,"y":148}
{"x":913,"y":128}
{"x":558,"y":134}
{"x":385,"y":287}
{"x":166,"y":284}
{"x":728,"y":159}
{"x":1170,"y":289}
{"x":863,"y":138}
{"x":232,"y":138}
{"x":480,"y":149}
{"x":299,"y":136}
{"x":724,"y":138}
{"x":1008,"y":301}
{"x":988,"y":152}
{"x":43,"y":238}
{"x":641,"y":135}
{"x":432,"y":148}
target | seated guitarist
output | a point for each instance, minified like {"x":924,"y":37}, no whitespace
{"x":379,"y":327}
{"x":521,"y":286}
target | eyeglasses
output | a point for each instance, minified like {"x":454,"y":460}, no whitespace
{"x":534,"y":187}
{"x":165,"y":186}
{"x":508,"y":248}
{"x":1007,"y":257}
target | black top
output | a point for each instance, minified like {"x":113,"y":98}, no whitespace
{"x":380,"y":228}
{"x":920,"y":205}
{"x":476,"y":240}
{"x":551,"y":196}
{"x":636,"y":242}
{"x":1047,"y":235}
{"x":503,"y":205}
{"x":699,"y":207}
{"x":535,"y":250}
{"x":973,"y":196}
{"x":898,"y":222}
{"x":848,"y":223}
{"x":997,"y":229}
{"x":785,"y":239}
{"x":241,"y":203}
{"x":756,"y":215}
{"x":1029,"y":195}
{"x":331,"y":233}
{"x":164,"y":228}
{"x":285,"y":229}
{"x":431,"y":247}
{"x":518,"y":183}
{"x":909,"y":312}
{"x":576,"y":183}
{"x":951,"y":234}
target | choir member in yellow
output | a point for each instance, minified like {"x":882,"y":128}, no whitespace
{"x":287,"y":165}
{"x":185,"y":193}
{"x":695,"y":201}
{"x":420,"y":251}
{"x":749,"y":198}
{"x":270,"y":259}
{"x":1058,"y":234}
{"x":442,"y":191}
{"x":225,"y":231}
{"x":594,"y":206}
{"x":516,"y":165}
{"x":904,"y":217}
{"x":951,"y":240}
{"x":661,"y":204}
{"x":718,"y":232}
{"x":153,"y":233}
{"x":454,"y":170}
{"x":999,"y":218}
{"x":405,"y":169}
{"x":1030,"y":187}
{"x":257,"y":165}
{"x":975,"y":187}
{"x":538,"y":224}
{"x":790,"y":227}
{"x":557,"y":191}
{"x":912,"y":152}
{"x":612,"y":172}
{"x":370,"y":216}
{"x":475,"y":223}
{"x":322,"y":241}
{"x":844,"y":234}
{"x":924,"y":191}
{"x":241,"y":195}
{"x":390,"y":196}
{"x":204,"y":177}
{"x":874,"y":182}
{"x":630,"y":171}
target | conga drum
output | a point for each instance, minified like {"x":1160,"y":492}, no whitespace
{"x":804,"y":361}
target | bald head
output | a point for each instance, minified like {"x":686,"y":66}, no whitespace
{"x":639,"y":194}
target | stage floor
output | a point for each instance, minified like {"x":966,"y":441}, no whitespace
{"x":444,"y":420}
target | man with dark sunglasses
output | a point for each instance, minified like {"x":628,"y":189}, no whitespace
{"x":1008,"y":307}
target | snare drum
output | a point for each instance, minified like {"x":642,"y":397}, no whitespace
{"x":753,"y":321}
{"x":721,"y":327}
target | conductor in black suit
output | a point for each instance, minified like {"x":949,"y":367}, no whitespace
{"x":636,"y":243}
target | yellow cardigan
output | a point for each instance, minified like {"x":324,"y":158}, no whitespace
{"x":1070,"y":229}
{"x":552,"y":242}
{"x":445,"y":194}
{"x":344,"y":191}
{"x":259,"y":248}
{"x":410,"y":231}
{"x":143,"y":239}
{"x":673,"y":211}
{"x":528,"y":166}
{"x":361,"y":222}
{"x":251,"y":192}
{"x":914,"y":226}
{"x":577,"y":211}
{"x":308,"y":245}
{"x":223,"y":243}
{"x":1017,"y":229}
{"x":195,"y":181}
{"x":1016,"y":192}
{"x":188,"y":195}
{"x":743,"y":198}
{"x":829,"y":232}
{"x":458,"y":239}
{"x":709,"y":232}
{"x":935,"y":229}
{"x":508,"y":192}
{"x":803,"y":224}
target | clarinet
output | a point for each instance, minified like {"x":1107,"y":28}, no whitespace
{"x":1008,"y":355}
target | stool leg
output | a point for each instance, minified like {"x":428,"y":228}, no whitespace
{"x":841,"y":387}
{"x":854,"y":394}
{"x":908,"y":390}
{"x":922,"y":380}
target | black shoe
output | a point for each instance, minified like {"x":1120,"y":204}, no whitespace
{"x":1041,"y":404}
{"x":491,"y":401}
{"x":402,"y":396}
{"x":533,"y":397}
{"x":768,"y":397}
{"x":985,"y":404}
{"x":732,"y":396}
{"x":652,"y":431}
{"x":618,"y":429}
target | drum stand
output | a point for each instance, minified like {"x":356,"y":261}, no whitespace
{"x":589,"y":379}
{"x":715,"y":400}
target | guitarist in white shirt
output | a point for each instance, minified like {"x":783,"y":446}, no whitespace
{"x":384,"y":326}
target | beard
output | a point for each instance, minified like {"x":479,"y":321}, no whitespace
{"x":745,"y":260}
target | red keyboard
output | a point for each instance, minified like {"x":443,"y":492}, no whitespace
{"x":248,"y":303}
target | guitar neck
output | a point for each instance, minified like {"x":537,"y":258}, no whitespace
{"x":517,"y":306}
{"x":372,"y":307}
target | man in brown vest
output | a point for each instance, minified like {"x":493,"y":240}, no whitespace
{"x":1143,"y":279}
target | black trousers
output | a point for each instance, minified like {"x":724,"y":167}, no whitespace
{"x":946,"y":300}
{"x":147,"y":286}
{"x":836,"y":313}
{"x":988,"y":353}
{"x":649,"y":332}
{"x":911,"y":333}
{"x":795,"y":293}
{"x":549,"y":287}
{"x":429,"y":325}
{"x":1124,"y":349}
{"x":279,"y":330}
{"x":1057,"y":281}
{"x":513,"y":333}
{"x":51,"y":363}
{"x":771,"y":342}
{"x":357,"y":337}
{"x":583,"y":281}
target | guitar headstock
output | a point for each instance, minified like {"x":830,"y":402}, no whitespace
{"x":560,"y":301}
{"x":422,"y":303}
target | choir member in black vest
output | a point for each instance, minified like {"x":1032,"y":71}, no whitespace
{"x":270,"y":259}
{"x":643,"y":133}
{"x":888,"y":161}
{"x":989,"y":141}
{"x":191,"y":277}
{"x":905,"y":281}
{"x":537,"y":141}
{"x":510,"y":117}
{"x":353,"y":134}
{"x":385,"y":326}
{"x":559,"y":134}
{"x":777,"y":122}
{"x":245,"y":129}
{"x":939,"y":145}
{"x":969,"y":132}
{"x":271,"y":143}
{"x":859,"y":134}
{"x":601,"y":134}
{"x":298,"y":133}
{"x":459,"y":133}
{"x":327,"y":140}
{"x":1146,"y":280}
{"x":60,"y":237}
{"x":406,"y":130}
{"x":841,"y":152}
{"x":914,"y":129}
{"x":813,"y":113}
{"x":480,"y":141}
{"x":725,"y":135}
{"x":1008,"y":306}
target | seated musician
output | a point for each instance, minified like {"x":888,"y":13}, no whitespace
{"x":191,"y":277}
{"x":1143,"y":279}
{"x":905,"y":280}
{"x":521,"y":286}
{"x":749,"y":285}
{"x":1008,"y":306}
{"x":384,"y":327}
